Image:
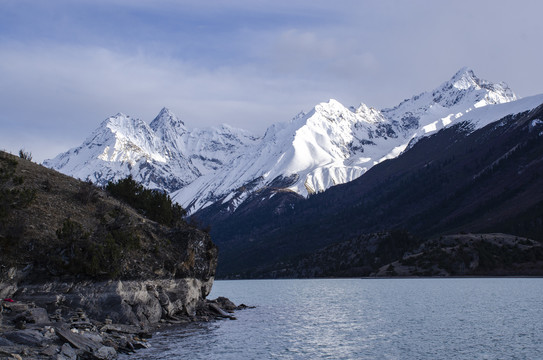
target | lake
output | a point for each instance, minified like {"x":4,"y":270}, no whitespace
{"x":475,"y":318}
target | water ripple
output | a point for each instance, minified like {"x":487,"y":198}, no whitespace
{"x":367,"y":319}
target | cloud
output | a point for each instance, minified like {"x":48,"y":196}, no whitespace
{"x":66,"y":91}
{"x":65,"y":65}
{"x":299,"y":52}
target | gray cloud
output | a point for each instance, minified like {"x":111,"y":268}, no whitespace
{"x":65,"y":66}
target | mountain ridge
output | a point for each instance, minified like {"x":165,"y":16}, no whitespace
{"x":329,"y":145}
{"x":456,"y":180}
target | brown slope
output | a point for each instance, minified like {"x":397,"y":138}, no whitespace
{"x":55,"y":226}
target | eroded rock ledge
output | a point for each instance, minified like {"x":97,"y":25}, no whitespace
{"x":134,"y":302}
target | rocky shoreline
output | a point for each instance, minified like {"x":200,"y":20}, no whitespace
{"x":92,"y":273}
{"x":28,"y":331}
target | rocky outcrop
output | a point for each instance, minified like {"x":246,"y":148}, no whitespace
{"x":78,"y":260}
{"x":142,"y":301}
{"x":66,"y":243}
{"x":493,"y":254}
{"x":135,"y":302}
{"x":32,"y":332}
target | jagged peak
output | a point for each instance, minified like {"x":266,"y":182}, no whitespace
{"x":165,"y":112}
{"x":465,"y":78}
{"x":120,"y":120}
{"x":462,"y":83}
{"x":466,"y":81}
{"x":330,"y":107}
{"x":368,"y":114}
{"x":332,"y":103}
{"x":166,"y":118}
{"x":362,"y":108}
{"x":335,"y":106}
{"x":118,"y":126}
{"x":327,"y":109}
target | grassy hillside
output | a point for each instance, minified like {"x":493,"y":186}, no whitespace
{"x":52,"y":225}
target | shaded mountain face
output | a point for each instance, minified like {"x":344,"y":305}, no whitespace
{"x":222,"y":167}
{"x":460,"y":179}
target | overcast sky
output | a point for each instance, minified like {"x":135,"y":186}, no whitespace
{"x":67,"y":65}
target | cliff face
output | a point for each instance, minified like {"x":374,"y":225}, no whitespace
{"x":66,"y":243}
{"x":138,"y":302}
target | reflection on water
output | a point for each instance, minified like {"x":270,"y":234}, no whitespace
{"x":367,"y":319}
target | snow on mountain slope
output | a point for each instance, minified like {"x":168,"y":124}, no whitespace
{"x":309,"y":153}
{"x":333,"y":144}
{"x":170,"y":130}
{"x":163,"y":155}
{"x":212,"y":148}
{"x":463,"y":91}
{"x":120,"y":146}
{"x":206,"y":149}
{"x":428,"y":112}
{"x":330,"y":145}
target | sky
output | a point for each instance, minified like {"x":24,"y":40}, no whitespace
{"x":67,"y":65}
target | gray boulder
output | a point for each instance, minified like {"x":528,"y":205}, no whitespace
{"x":5,"y":342}
{"x":67,"y":353}
{"x":36,"y":315}
{"x":105,"y":353}
{"x":77,"y":341}
{"x":27,"y":337}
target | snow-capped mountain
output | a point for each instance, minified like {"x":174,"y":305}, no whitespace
{"x":333,"y":144}
{"x":330,"y":145}
{"x":163,"y":155}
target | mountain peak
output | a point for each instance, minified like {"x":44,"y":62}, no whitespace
{"x":465,"y":78}
{"x":119,"y":120}
{"x":165,"y":112}
{"x":115,"y":119}
{"x":466,"y":87}
{"x":166,"y":119}
{"x":333,"y":103}
{"x":330,"y":108}
{"x":464,"y":72}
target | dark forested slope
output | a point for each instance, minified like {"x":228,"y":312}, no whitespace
{"x":458,"y":180}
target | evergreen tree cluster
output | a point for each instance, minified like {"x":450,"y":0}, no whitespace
{"x":154,"y":204}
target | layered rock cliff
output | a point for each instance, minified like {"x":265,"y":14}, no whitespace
{"x":67,"y":244}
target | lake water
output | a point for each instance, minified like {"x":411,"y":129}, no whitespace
{"x":367,"y":319}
